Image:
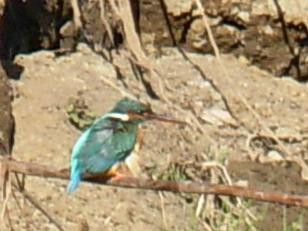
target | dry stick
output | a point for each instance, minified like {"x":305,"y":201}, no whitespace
{"x":159,"y":185}
{"x":122,"y":11}
{"x":137,"y":55}
{"x":132,"y":37}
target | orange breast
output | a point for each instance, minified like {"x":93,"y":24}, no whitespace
{"x":139,"y":141}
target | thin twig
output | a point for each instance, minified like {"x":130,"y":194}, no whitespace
{"x":159,"y":185}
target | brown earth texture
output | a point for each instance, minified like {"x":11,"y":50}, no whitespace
{"x":44,"y":135}
{"x":245,"y":126}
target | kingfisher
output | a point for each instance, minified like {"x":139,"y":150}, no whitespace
{"x":110,"y":140}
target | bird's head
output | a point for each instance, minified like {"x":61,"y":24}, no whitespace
{"x":128,"y":110}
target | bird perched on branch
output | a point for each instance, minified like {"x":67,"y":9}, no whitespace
{"x":109,"y":141}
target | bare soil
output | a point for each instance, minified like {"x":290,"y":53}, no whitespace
{"x":45,"y":135}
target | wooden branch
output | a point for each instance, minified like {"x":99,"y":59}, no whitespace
{"x":159,"y":185}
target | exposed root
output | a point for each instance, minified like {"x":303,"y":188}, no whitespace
{"x":76,"y":15}
{"x":105,"y":22}
{"x":122,"y":9}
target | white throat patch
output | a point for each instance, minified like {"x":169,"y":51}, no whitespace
{"x":123,"y":117}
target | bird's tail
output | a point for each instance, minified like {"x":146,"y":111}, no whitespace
{"x":75,"y":177}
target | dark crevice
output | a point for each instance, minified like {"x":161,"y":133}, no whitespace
{"x":12,"y":70}
{"x":186,"y":27}
{"x":231,"y":22}
{"x":25,"y":27}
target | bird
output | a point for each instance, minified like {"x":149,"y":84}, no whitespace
{"x":109,"y":141}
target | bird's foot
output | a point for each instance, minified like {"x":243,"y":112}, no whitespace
{"x":118,"y":176}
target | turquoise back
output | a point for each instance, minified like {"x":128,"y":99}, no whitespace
{"x":105,"y":143}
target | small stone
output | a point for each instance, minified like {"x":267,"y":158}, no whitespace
{"x":179,"y":7}
{"x":242,"y":183}
{"x":242,"y":59}
{"x":199,"y":44}
{"x":84,"y":48}
{"x":197,"y":26}
{"x":235,"y":11}
{"x":68,"y":29}
{"x":274,"y":156}
{"x":268,"y":30}
{"x":244,"y":16}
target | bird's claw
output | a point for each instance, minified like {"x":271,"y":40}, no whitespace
{"x":118,"y":176}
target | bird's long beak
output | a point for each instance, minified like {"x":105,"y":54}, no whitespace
{"x":153,"y":116}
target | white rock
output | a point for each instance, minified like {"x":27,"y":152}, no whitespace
{"x":217,"y":116}
{"x":273,"y":155}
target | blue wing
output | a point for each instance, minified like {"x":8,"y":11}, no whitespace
{"x":104,"y":144}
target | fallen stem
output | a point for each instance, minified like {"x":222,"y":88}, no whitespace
{"x":159,"y":185}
